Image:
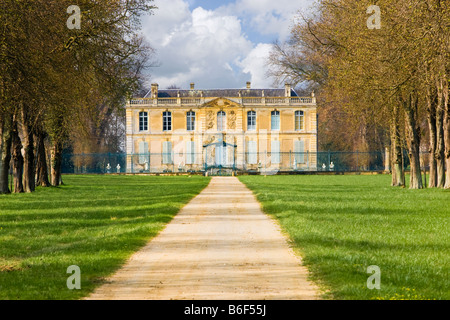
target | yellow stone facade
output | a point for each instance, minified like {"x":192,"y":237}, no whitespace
{"x":193,"y":130}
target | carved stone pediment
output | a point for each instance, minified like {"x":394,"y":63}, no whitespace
{"x":221,"y":103}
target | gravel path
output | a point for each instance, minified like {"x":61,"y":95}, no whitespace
{"x":221,"y":246}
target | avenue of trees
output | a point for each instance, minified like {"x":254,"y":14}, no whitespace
{"x":62,"y":83}
{"x":382,"y":79}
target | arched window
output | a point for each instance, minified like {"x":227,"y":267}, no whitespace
{"x":251,"y":120}
{"x":221,"y":120}
{"x":275,"y":120}
{"x":299,"y":120}
{"x":190,"y":121}
{"x":143,"y":121}
{"x":167,"y":121}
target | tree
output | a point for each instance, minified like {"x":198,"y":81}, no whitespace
{"x":388,"y":77}
{"x":49,"y":73}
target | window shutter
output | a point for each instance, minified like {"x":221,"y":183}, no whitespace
{"x":299,"y":149}
{"x":190,"y":152}
{"x":252,"y":152}
{"x":143,"y":152}
{"x":275,"y":152}
{"x":167,"y":152}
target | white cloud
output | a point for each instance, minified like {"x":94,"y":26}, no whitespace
{"x":270,"y":17}
{"x":255,"y":64}
{"x":198,"y":46}
{"x":159,"y":26}
{"x":210,"y":47}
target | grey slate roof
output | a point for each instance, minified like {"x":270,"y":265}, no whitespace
{"x":223,"y":93}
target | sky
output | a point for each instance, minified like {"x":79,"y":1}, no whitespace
{"x":217,"y":44}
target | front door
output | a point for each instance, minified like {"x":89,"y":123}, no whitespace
{"x":221,"y":156}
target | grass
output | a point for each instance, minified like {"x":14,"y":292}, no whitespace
{"x":94,"y":222}
{"x":341,"y":225}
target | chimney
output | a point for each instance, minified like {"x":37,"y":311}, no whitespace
{"x":155,"y":87}
{"x":192,"y":86}
{"x":288,"y":89}
{"x":249,"y":85}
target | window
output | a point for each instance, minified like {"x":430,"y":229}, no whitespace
{"x":299,"y":120}
{"x":299,"y":151}
{"x":252,"y":157}
{"x":251,"y":120}
{"x":143,"y":152}
{"x":143,"y":121}
{"x":167,"y":121}
{"x":275,"y":120}
{"x":190,"y":152}
{"x":167,"y":152}
{"x":221,"y":119}
{"x":190,"y":119}
{"x":275,"y":152}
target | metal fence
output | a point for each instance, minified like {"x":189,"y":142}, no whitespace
{"x":262,"y":162}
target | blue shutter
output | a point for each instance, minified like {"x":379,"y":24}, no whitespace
{"x":167,"y":152}
{"x":190,"y":152}
{"x":143,"y":152}
{"x":299,"y":149}
{"x":275,"y":152}
{"x":252,"y":152}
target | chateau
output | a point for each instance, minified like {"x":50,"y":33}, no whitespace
{"x":240,"y":129}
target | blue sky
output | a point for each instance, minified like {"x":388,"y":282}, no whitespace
{"x":217,"y":44}
{"x":208,"y":4}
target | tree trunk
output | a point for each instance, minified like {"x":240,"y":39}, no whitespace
{"x":413,"y":141}
{"x":17,"y":160}
{"x":56,"y":161}
{"x":447,"y":133}
{"x":431,"y":117}
{"x":439,"y":153}
{"x":29,"y":183}
{"x":5,"y":153}
{"x":41,"y":161}
{"x":398,"y":176}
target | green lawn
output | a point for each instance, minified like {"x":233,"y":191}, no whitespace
{"x":343,"y":224}
{"x":94,"y":222}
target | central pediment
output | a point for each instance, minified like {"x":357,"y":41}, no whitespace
{"x":221,"y":103}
